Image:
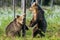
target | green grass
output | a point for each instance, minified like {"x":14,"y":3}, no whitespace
{"x":53,"y":24}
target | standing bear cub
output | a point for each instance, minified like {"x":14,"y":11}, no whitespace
{"x":15,"y":26}
{"x":38,"y":20}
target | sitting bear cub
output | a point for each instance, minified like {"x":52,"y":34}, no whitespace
{"x":15,"y":26}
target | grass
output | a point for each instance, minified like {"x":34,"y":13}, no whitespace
{"x":53,"y":23}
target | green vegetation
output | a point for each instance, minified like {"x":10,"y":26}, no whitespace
{"x":53,"y":22}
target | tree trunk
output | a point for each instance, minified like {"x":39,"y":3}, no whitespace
{"x":51,"y":3}
{"x":14,"y":7}
{"x":24,"y":11}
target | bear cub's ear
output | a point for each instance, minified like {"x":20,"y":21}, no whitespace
{"x":18,"y":16}
{"x":34,"y":4}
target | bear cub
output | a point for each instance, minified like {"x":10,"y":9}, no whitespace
{"x":38,"y":20}
{"x":15,"y":27}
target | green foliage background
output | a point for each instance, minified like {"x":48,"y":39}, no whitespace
{"x":52,"y":16}
{"x":28,"y":2}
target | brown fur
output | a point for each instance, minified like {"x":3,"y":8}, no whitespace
{"x":15,"y":26}
{"x":39,"y":19}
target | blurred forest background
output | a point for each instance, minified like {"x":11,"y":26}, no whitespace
{"x":28,"y":2}
{"x":52,"y":15}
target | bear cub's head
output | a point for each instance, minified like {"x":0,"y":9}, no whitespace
{"x":20,"y":19}
{"x":34,"y":7}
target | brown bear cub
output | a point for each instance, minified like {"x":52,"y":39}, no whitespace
{"x":15,"y":27}
{"x":39,"y":19}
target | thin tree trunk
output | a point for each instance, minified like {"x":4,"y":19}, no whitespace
{"x":51,"y":3}
{"x":41,"y":2}
{"x":24,"y":11}
{"x":36,"y":1}
{"x":14,"y":7}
